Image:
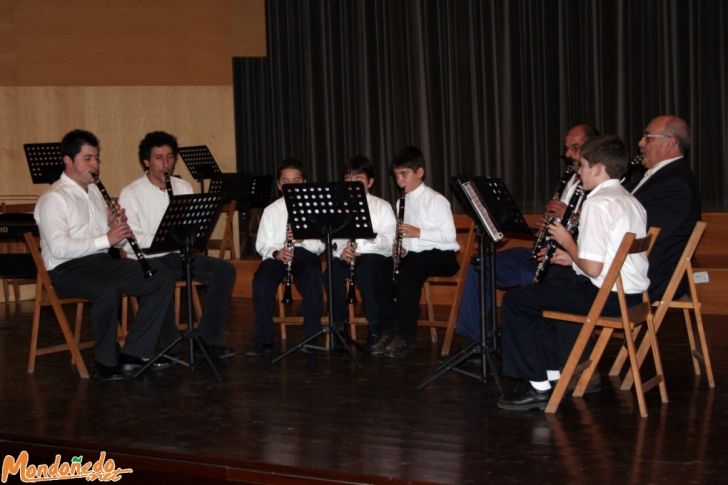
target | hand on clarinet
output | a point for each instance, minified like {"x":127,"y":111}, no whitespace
{"x":118,"y":232}
{"x":560,"y":257}
{"x":348,"y":253}
{"x":408,"y":230}
{"x":556,"y":208}
{"x":284,"y":255}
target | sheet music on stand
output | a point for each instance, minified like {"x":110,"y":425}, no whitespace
{"x":192,"y":215}
{"x":472,"y":195}
{"x":313,"y":206}
{"x":199,"y":162}
{"x":44,"y":161}
{"x":501,"y":206}
{"x":250,"y":191}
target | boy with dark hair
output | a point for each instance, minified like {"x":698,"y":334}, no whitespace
{"x":529,"y":340}
{"x":305,"y":266}
{"x":370,"y":258}
{"x":76,"y":232}
{"x":429,"y":244}
{"x":146,"y":200}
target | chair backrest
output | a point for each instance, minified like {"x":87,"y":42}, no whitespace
{"x":630,"y":245}
{"x":44,"y":279}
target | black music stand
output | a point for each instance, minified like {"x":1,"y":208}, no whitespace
{"x":320,"y":211}
{"x":200,"y":163}
{"x":186,"y":225}
{"x":249,"y":191}
{"x":44,"y":161}
{"x":489,"y":201}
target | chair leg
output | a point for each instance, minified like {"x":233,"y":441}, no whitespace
{"x":70,"y":341}
{"x":594,"y":359}
{"x":691,"y":340}
{"x":558,"y":393}
{"x":635,"y":371}
{"x":16,"y":291}
{"x":34,"y":330}
{"x":6,"y":293}
{"x":78,"y":322}
{"x":658,"y":361}
{"x":197,"y":306}
{"x":704,"y":346}
{"x":177,"y":294}
{"x":621,"y":358}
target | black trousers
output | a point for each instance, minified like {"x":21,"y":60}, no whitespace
{"x":372,"y":275}
{"x":219,"y":276}
{"x":102,"y":279}
{"x":415,"y":268}
{"x":531,"y":342}
{"x":306,"y":270}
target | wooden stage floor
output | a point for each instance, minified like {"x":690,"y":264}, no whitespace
{"x":317,"y":419}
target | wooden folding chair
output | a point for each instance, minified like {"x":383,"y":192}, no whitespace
{"x":45,"y":295}
{"x":687,"y":303}
{"x":466,"y":238}
{"x":227,"y":243}
{"x":629,"y":319}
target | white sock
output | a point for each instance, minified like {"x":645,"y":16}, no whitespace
{"x":540,"y":385}
{"x":553,"y":375}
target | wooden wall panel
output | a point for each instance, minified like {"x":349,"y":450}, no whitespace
{"x":134,"y":42}
{"x":120,"y":116}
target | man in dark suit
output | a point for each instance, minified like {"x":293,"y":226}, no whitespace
{"x":669,"y":192}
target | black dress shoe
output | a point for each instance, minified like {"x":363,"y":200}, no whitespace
{"x":399,"y":348}
{"x":259,"y":350}
{"x":221,"y":351}
{"x":107,"y":373}
{"x":128,"y":364}
{"x":527,"y":397}
{"x":381,"y":345}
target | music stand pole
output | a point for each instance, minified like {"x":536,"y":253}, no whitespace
{"x":479,"y":346}
{"x":329,"y":328}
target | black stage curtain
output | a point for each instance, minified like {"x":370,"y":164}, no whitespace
{"x":485,"y":87}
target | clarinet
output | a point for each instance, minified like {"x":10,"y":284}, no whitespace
{"x":351,"y":294}
{"x":287,"y":294}
{"x":543,"y":235}
{"x":570,"y":221}
{"x":396,"y":258}
{"x":632,"y":167}
{"x":146,"y":267}
{"x":168,"y":185}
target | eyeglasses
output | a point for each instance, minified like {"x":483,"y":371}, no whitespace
{"x":655,"y":135}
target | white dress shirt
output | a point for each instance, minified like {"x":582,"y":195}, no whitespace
{"x":609,"y":212}
{"x":72,"y":222}
{"x":430,"y":211}
{"x":384,"y":225}
{"x":145,"y":205}
{"x":272,"y":232}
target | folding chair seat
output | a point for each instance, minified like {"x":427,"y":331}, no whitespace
{"x":465,"y":229}
{"x":630,"y":318}
{"x":687,"y":303}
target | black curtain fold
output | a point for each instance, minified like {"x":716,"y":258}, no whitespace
{"x":483,"y":87}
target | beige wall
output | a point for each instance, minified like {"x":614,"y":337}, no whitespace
{"x":120,"y":69}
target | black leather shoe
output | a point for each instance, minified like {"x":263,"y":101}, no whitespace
{"x":259,"y":350}
{"x":221,"y":351}
{"x":107,"y":373}
{"x":399,"y":348}
{"x":380,"y":347}
{"x":129,"y":364}
{"x":526,"y":397}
